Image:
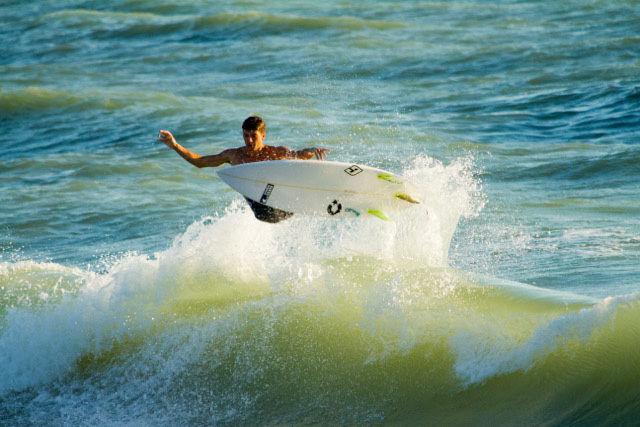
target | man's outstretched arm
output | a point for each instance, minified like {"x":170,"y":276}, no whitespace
{"x":195,"y":159}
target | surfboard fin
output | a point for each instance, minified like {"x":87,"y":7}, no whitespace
{"x":389,"y":178}
{"x":353,"y":211}
{"x":378,"y":214}
{"x":406,"y":198}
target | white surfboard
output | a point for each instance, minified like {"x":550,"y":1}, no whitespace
{"x":320,"y":188}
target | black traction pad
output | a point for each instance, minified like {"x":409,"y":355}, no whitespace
{"x":267,"y":213}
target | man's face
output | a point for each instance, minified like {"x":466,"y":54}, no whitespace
{"x":253,"y":138}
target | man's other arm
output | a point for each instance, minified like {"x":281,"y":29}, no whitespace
{"x":307,"y":153}
{"x":195,"y":159}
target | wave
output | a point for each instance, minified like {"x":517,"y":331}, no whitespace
{"x":40,"y":99}
{"x":240,"y":322}
{"x":226,"y":25}
{"x":595,"y":113}
{"x":345,"y":339}
{"x":615,"y":166}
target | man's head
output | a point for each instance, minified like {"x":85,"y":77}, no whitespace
{"x":254,"y":123}
{"x":253,"y":132}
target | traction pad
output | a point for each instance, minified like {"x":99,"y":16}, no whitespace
{"x":267,"y":213}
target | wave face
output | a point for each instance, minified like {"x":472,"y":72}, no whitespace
{"x":261,"y":326}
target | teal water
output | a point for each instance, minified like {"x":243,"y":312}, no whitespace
{"x":136,"y":289}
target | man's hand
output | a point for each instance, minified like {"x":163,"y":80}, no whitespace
{"x":320,"y":153}
{"x":168,"y":139}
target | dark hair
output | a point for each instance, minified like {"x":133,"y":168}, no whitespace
{"x":254,"y":123}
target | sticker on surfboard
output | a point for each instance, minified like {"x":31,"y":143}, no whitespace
{"x":265,"y":195}
{"x":353,"y":170}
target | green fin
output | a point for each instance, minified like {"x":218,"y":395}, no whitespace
{"x":388,"y":177}
{"x":406,"y":198}
{"x":353,"y":211}
{"x":378,"y":214}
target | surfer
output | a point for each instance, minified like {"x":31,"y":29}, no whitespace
{"x":254,"y":150}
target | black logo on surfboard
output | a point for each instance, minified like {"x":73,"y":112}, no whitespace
{"x":334,"y":208}
{"x":353,"y":170}
{"x":267,"y":192}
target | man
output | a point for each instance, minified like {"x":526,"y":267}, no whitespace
{"x":254,"y":150}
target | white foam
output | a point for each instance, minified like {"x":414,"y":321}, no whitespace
{"x":40,"y":343}
{"x":233,"y":256}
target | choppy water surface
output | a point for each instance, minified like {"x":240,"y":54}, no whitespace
{"x":136,"y":289}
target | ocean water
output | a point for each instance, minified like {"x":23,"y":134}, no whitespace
{"x":138,"y":290}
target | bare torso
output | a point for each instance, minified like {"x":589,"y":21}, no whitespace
{"x":238,"y":156}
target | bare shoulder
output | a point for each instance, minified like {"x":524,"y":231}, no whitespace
{"x":231,"y":151}
{"x":231,"y":154}
{"x":282,"y":150}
